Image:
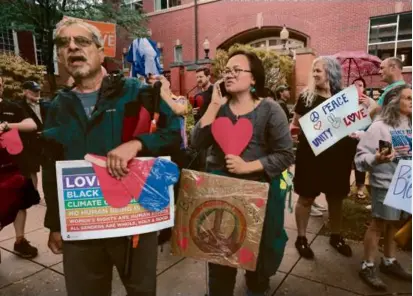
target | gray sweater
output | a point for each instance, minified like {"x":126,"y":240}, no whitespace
{"x":365,"y":160}
{"x":271,"y":142}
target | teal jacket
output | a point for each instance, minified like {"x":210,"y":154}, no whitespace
{"x":69,"y":134}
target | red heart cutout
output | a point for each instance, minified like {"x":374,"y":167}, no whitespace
{"x":11,"y":141}
{"x":259,"y":202}
{"x":245,"y":255}
{"x":119,"y":193}
{"x":317,"y":126}
{"x":183,"y":243}
{"x":232,"y":139}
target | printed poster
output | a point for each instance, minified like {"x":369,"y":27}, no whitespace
{"x":399,"y":195}
{"x":334,"y":119}
{"x":84,"y":213}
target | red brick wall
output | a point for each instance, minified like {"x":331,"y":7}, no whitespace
{"x":332,"y":25}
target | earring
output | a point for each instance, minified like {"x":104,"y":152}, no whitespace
{"x":252,"y":89}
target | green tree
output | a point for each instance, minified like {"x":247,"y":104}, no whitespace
{"x":41,"y":16}
{"x":278,"y":68}
{"x":15,"y":71}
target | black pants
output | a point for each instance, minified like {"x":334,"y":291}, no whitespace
{"x":222,"y":280}
{"x":360,"y":176}
{"x":88,"y":266}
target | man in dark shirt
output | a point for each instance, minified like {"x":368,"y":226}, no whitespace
{"x":203,"y":79}
{"x":12,"y":116}
{"x":282,"y":93}
{"x":35,"y":108}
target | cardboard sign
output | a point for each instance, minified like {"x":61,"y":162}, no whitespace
{"x":399,"y":195}
{"x":85,"y":214}
{"x":219,"y":219}
{"x":108,"y":31}
{"x":232,"y":138}
{"x":334,"y":119}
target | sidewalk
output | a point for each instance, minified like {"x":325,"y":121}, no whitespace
{"x":329,"y":274}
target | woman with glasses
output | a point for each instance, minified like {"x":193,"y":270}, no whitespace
{"x":267,"y":155}
{"x":394,"y":126}
{"x":327,"y":173}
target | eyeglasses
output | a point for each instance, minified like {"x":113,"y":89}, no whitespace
{"x":81,"y":41}
{"x":234,"y":72}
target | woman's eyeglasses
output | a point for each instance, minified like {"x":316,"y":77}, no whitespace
{"x":234,"y":72}
{"x":64,"y":42}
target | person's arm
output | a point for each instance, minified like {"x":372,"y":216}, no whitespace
{"x":280,"y":143}
{"x":163,"y":137}
{"x":365,"y":158}
{"x":51,"y":220}
{"x":179,"y":108}
{"x":201,"y":136}
{"x":26,"y":125}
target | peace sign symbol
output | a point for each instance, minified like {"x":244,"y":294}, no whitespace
{"x":314,"y":116}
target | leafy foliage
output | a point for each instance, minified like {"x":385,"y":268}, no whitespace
{"x":15,"y":71}
{"x":278,"y":68}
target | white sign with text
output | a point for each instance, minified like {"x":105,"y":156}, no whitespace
{"x":334,"y":119}
{"x":399,"y":195}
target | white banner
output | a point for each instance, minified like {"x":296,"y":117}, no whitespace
{"x":334,"y":119}
{"x":399,"y":195}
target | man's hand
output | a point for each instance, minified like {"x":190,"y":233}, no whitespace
{"x":4,"y":127}
{"x":236,"y":165}
{"x":195,"y":111}
{"x":118,"y":158}
{"x":55,"y":243}
{"x":383,"y":157}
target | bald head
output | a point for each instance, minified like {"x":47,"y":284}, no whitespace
{"x":391,"y":70}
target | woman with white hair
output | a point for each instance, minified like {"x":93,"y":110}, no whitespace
{"x":394,"y":126}
{"x":327,"y":173}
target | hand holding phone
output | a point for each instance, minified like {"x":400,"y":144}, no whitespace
{"x":217,"y":97}
{"x":385,"y":152}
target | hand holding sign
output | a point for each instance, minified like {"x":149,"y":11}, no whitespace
{"x":399,"y":195}
{"x":334,"y":119}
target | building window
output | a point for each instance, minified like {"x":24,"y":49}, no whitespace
{"x":165,"y":4}
{"x":391,"y":36}
{"x":275,"y":43}
{"x":40,"y":44}
{"x":178,"y":54}
{"x":136,"y":5}
{"x":8,"y":41}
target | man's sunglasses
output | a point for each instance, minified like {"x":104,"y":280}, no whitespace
{"x":81,"y":41}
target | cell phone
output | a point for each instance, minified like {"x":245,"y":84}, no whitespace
{"x":223,"y":89}
{"x":385,"y":145}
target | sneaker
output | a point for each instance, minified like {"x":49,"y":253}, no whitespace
{"x":340,"y":245}
{"x":303,"y":248}
{"x":396,"y":270}
{"x":319,"y":207}
{"x":370,"y":277}
{"x":25,"y":250}
{"x":315,"y":213}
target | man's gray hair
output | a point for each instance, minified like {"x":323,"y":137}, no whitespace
{"x":96,"y":35}
{"x":390,"y":114}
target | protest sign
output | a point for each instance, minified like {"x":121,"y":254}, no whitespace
{"x":334,"y":119}
{"x":108,"y":32}
{"x":399,"y":195}
{"x":219,"y":219}
{"x":85,"y":213}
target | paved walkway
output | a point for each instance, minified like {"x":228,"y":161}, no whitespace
{"x":329,"y":274}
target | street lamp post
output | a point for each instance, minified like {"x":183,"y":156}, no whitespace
{"x":206,"y":48}
{"x":284,"y":34}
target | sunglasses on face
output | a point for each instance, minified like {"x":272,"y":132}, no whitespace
{"x":81,"y":41}
{"x":234,"y":72}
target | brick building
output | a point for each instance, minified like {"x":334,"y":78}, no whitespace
{"x":380,"y":27}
